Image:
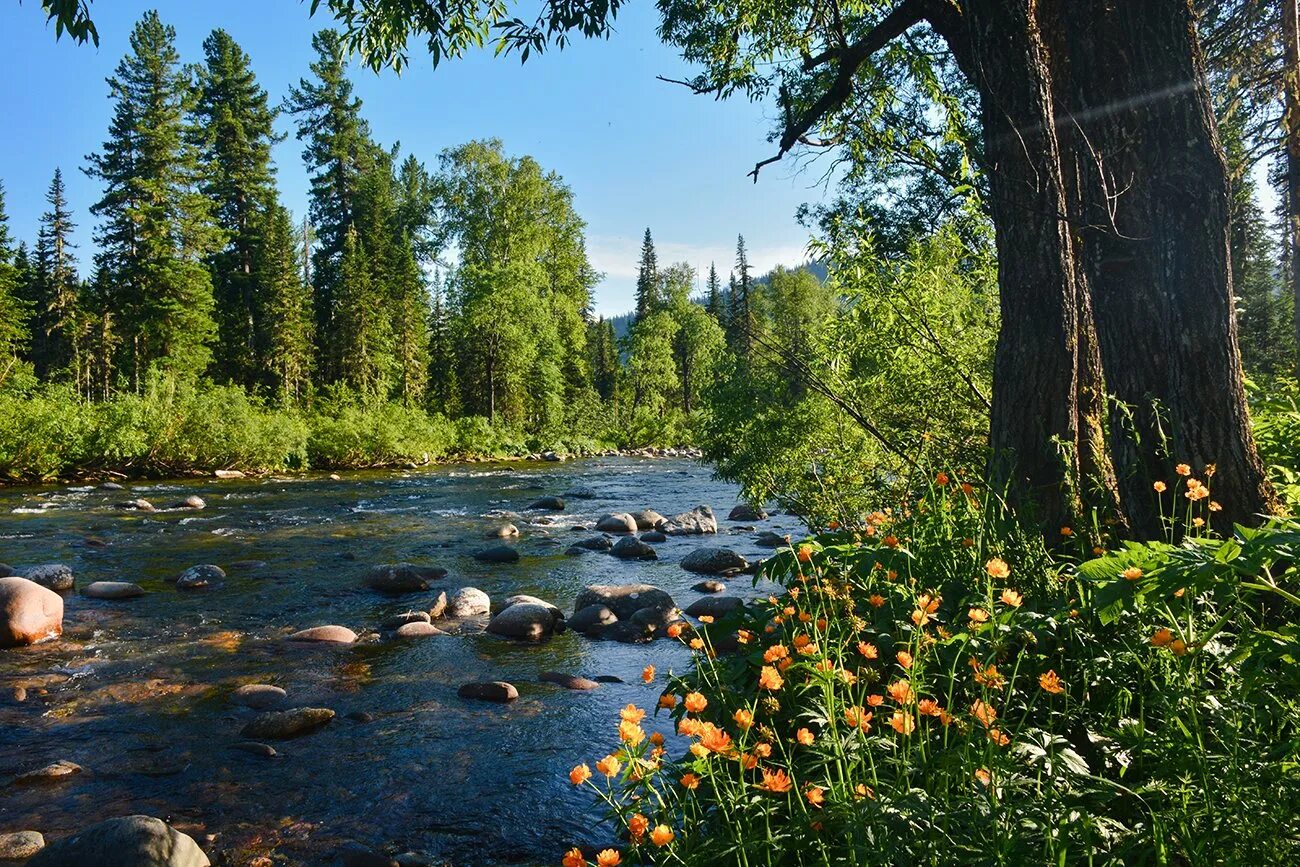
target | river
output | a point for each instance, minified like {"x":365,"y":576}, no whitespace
{"x":138,"y":691}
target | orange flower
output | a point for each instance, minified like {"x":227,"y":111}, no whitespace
{"x":983,"y":777}
{"x":784,"y":664}
{"x":920,"y":618}
{"x":579,"y":775}
{"x":862,"y":790}
{"x":833,"y":525}
{"x":648,"y":673}
{"x":775,"y":781}
{"x":769,"y":679}
{"x":999,"y":738}
{"x":574,"y":858}
{"x":868,"y":650}
{"x":968,"y":542}
{"x":977,"y":616}
{"x":941,"y":479}
{"x":1215,"y":507}
{"x":1183,"y":470}
{"x":637,"y":825}
{"x":805,"y":554}
{"x":900,"y":691}
{"x":1160,"y":487}
{"x":632,"y":714}
{"x":763,"y":751}
{"x":816,"y":796}
{"x":697,"y":644}
{"x":1051,"y":682}
{"x":1132,"y":573}
{"x":775,"y":652}
{"x":705,"y":618}
{"x":675,"y":629}
{"x":744,"y":636}
{"x":1178,"y":646}
{"x":690,"y":781}
{"x":983,"y":712}
{"x":904,"y":659}
{"x":661,"y":836}
{"x":857,"y":718}
{"x":748,"y":761}
{"x":902,"y":722}
{"x":696,"y":702}
{"x":876,"y":600}
{"x":714,"y":739}
{"x":1199,"y":492}
{"x":1011,"y":597}
{"x":804,"y":737}
{"x":608,"y":858}
{"x":875,"y":699}
{"x":997,"y":568}
{"x":630,"y":733}
{"x":1162,"y":637}
{"x":890,"y":541}
{"x":609,"y":766}
{"x":928,"y":707}
{"x":657,"y":738}
{"x":668,"y":701}
{"x":1067,"y":531}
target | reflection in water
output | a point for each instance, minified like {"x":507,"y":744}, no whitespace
{"x":137,"y":692}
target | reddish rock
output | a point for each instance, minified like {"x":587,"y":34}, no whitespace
{"x":29,"y":613}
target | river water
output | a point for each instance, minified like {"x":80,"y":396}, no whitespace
{"x":138,"y":691}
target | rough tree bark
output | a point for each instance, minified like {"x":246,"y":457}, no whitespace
{"x":1291,"y":125}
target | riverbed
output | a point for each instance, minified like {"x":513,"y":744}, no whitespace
{"x":138,"y":692}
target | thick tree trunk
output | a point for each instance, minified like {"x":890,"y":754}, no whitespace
{"x":1154,"y":242}
{"x":1291,"y":121}
{"x":1045,"y":428}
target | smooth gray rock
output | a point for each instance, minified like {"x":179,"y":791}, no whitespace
{"x":655,"y":621}
{"x":193,"y":501}
{"x":768,"y":539}
{"x":266,"y":751}
{"x":656,"y":536}
{"x":580,"y":494}
{"x":469,"y":602}
{"x":259,"y":696}
{"x":626,"y":632}
{"x":625,"y":599}
{"x":324,"y":635}
{"x":112,"y":590}
{"x":595,"y":543}
{"x":111,"y":486}
{"x":55,"y":576}
{"x":524,"y":620}
{"x":497,"y":554}
{"x":130,"y":841}
{"x":713,"y":561}
{"x":504,"y":531}
{"x":139,"y":505}
{"x":402,"y":577}
{"x":568,"y":681}
{"x":593,"y":619}
{"x":697,"y":522}
{"x":746,"y":512}
{"x":29,"y":613}
{"x":278,"y":725}
{"x":497,"y":690}
{"x":648,"y":519}
{"x":710,"y":586}
{"x":397,"y":621}
{"x":632,"y":548}
{"x":417,"y":629}
{"x":199,"y":576}
{"x":620,"y":523}
{"x":548,"y":504}
{"x":715,"y":606}
{"x":20,"y":845}
{"x":439,"y":606}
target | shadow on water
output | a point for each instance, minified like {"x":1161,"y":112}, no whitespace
{"x":138,"y":692}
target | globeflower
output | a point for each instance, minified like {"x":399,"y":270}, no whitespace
{"x":1051,"y":682}
{"x":714,"y":739}
{"x":648,"y":673}
{"x":900,"y":691}
{"x":1183,"y":470}
{"x":1011,"y":597}
{"x":632,"y":714}
{"x":630,"y":733}
{"x":977,"y":616}
{"x":1160,"y":487}
{"x":690,"y":781}
{"x":1132,"y":573}
{"x":696,"y":702}
{"x":675,"y":629}
{"x":608,"y":858}
{"x":868,"y":650}
{"x":775,"y":781}
{"x":857,"y":718}
{"x":805,"y":554}
{"x":904,"y":659}
{"x":661,"y":836}
{"x":983,"y":712}
{"x":609,"y":766}
{"x":997,"y":568}
{"x":743,"y":718}
{"x":769,"y":679}
{"x":804,"y":737}
{"x":903,"y":723}
{"x":815,"y":795}
{"x":580,"y":774}
{"x":1162,"y":637}
{"x":668,"y":701}
{"x":574,"y":858}
{"x":941,"y":479}
{"x":775,"y":652}
{"x":637,"y":825}
{"x":876,"y":600}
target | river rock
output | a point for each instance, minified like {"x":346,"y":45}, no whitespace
{"x":714,"y":606}
{"x":623,"y":600}
{"x":20,"y":845}
{"x":746,"y":512}
{"x":592,"y":620}
{"x":632,"y":548}
{"x":713,"y":561}
{"x":129,"y":841}
{"x":696,"y":522}
{"x":356,"y":855}
{"x":580,"y":494}
{"x":439,"y":606}
{"x":396,"y":621}
{"x":7,"y":571}
{"x":55,"y":576}
{"x":110,"y":486}
{"x":524,"y":620}
{"x":417,"y":629}
{"x":112,"y":590}
{"x":200,"y":576}
{"x":139,"y":505}
{"x":324,"y":635}
{"x":193,"y":501}
{"x":497,"y":554}
{"x":469,"y":602}
{"x":53,"y":772}
{"x":656,"y":536}
{"x":627,"y":632}
{"x":655,"y":620}
{"x":595,"y":543}
{"x":496,"y":690}
{"x":266,"y":751}
{"x":29,"y":613}
{"x":505,"y":531}
{"x":259,"y":696}
{"x":710,"y":586}
{"x":621,"y":522}
{"x":402,"y":577}
{"x":278,"y":725}
{"x":648,"y":519}
{"x":524,"y":597}
{"x":548,"y":504}
{"x":768,"y":539}
{"x":229,"y":474}
{"x":568,"y":681}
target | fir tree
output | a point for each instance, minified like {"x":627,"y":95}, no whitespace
{"x":363,"y":337}
{"x":442,"y":388}
{"x":713,"y":299}
{"x":647,"y":278}
{"x":284,"y":340}
{"x":156,"y":228}
{"x":58,"y":322}
{"x":14,"y":311}
{"x":742,"y":307}
{"x":234,"y":130}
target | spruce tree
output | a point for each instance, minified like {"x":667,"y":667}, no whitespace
{"x":234,"y":126}
{"x":58,"y":317}
{"x":443,"y":389}
{"x":363,"y":337}
{"x":742,"y":306}
{"x":647,"y":278}
{"x":713,"y":298}
{"x":14,"y":311}
{"x":156,"y":229}
{"x":283,"y":344}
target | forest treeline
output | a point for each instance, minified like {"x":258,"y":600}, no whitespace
{"x":447,"y":305}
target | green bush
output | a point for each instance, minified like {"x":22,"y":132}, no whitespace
{"x":349,"y":434}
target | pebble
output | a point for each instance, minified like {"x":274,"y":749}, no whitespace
{"x":112,"y":590}
{"x":20,"y":845}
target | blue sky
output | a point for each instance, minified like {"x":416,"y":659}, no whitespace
{"x":637,"y":152}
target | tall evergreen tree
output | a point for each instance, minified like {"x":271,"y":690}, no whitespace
{"x":156,"y":228}
{"x":742,"y":307}
{"x":338,"y":150}
{"x":647,"y":278}
{"x":363,"y":337}
{"x":14,"y":310}
{"x":234,"y":128}
{"x":284,"y":341}
{"x":713,"y":296}
{"x":604,"y":358}
{"x":442,"y":390}
{"x":58,"y":318}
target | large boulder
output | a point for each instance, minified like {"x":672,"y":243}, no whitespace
{"x":713,"y":561}
{"x":697,"y":522}
{"x":496,"y":690}
{"x":592,"y":620}
{"x":655,"y":621}
{"x":324,"y":635}
{"x":632,"y":548}
{"x":524,"y":620}
{"x":768,"y":539}
{"x":624,"y":600}
{"x":129,"y":841}
{"x":199,"y":576}
{"x":29,"y":613}
{"x":746,"y":512}
{"x":402,"y":577}
{"x":548,"y":504}
{"x":469,"y":602}
{"x":282,"y":724}
{"x":55,"y":576}
{"x":648,"y":519}
{"x":497,"y":554}
{"x":714,"y":606}
{"x":112,"y":590}
{"x":620,"y":522}
{"x":595,"y":543}
{"x":504,"y":531}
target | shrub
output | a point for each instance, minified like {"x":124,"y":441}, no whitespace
{"x":347,"y":433}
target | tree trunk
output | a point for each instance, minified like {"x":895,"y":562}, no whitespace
{"x":1291,"y":122}
{"x":1154,"y":241}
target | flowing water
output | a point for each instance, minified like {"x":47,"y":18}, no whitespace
{"x":138,"y":691}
